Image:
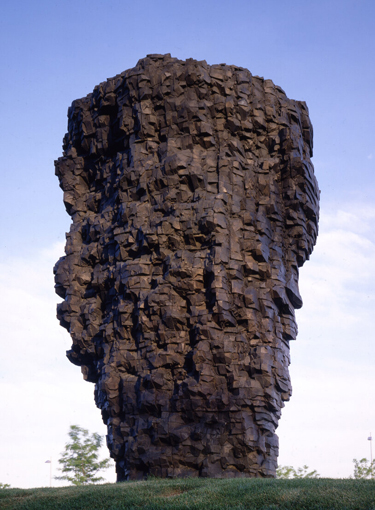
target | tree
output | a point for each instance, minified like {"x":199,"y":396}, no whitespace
{"x":290,"y":472}
{"x":79,"y":460}
{"x":364,"y":468}
{"x":4,"y":485}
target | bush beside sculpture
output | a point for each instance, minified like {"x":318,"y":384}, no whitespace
{"x":364,"y":468}
{"x":288,"y":472}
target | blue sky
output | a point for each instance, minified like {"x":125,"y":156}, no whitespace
{"x":321,"y":52}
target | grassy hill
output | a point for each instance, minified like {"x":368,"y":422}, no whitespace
{"x":199,"y":494}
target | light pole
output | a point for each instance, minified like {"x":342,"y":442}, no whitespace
{"x":50,"y":470}
{"x":372,"y":468}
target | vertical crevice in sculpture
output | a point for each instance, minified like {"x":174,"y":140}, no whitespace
{"x":193,"y":204}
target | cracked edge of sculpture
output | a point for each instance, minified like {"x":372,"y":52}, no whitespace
{"x":193,"y":202}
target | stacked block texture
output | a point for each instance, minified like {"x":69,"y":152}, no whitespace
{"x":193,"y":204}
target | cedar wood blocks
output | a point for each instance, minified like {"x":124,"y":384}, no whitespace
{"x":193,"y":202}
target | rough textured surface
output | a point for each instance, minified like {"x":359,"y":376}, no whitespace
{"x":193,"y":202}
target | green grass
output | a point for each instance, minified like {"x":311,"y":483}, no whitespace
{"x":200,"y":494}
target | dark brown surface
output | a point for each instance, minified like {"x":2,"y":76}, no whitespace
{"x":193,"y":202}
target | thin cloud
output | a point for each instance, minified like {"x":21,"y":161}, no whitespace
{"x":331,"y":371}
{"x":333,"y":357}
{"x":42,"y":393}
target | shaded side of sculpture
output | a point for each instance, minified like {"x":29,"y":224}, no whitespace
{"x":193,"y":203}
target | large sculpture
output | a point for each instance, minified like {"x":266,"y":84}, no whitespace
{"x":193,"y":204}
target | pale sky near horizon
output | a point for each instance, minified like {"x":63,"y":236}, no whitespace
{"x":321,"y":52}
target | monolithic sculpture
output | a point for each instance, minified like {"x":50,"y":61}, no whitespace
{"x":193,"y":203}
